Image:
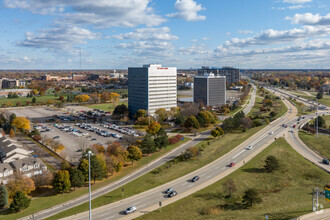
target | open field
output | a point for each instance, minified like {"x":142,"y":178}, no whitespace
{"x":319,"y":145}
{"x":106,"y":106}
{"x":286,"y":193}
{"x":23,"y":100}
{"x":55,"y":199}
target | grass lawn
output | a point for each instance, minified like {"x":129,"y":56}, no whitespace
{"x":23,"y":100}
{"x":168,"y":172}
{"x":300,"y":107}
{"x":325,"y":100}
{"x":320,"y":144}
{"x":52,"y":200}
{"x":286,"y":193}
{"x":327,"y":120}
{"x":106,"y":106}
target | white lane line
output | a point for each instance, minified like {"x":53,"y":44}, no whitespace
{"x":208,"y":176}
{"x":185,"y":183}
{"x":110,"y":217}
{"x":238,"y":154}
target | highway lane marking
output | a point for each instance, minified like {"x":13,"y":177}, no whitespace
{"x":209,"y":176}
{"x":110,"y":217}
{"x":184,"y":183}
{"x":238,"y":154}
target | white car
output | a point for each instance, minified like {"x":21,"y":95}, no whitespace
{"x":272,"y":132}
{"x":249,"y":147}
{"x":130,"y":210}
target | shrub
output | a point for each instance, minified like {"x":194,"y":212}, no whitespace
{"x":20,"y":202}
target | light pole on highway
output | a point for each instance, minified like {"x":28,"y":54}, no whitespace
{"x":89,"y":153}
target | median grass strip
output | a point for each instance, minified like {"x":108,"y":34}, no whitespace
{"x":286,"y":193}
{"x":302,"y":109}
{"x":169,"y":171}
{"x":320,"y":145}
{"x":56,"y":199}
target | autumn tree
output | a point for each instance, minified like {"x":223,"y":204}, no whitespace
{"x":82,"y":98}
{"x":134,"y":153}
{"x":140,"y":113}
{"x":215,"y":133}
{"x":105,"y":96}
{"x":191,"y":122}
{"x":21,"y":123}
{"x":20,"y":183}
{"x":161,"y":114}
{"x":153,"y":127}
{"x":65,"y":165}
{"x":114,"y":97}
{"x":11,"y":133}
{"x":61,"y":182}
{"x":95,"y":97}
{"x":43,"y":180}
{"x":20,"y":202}
{"x":83,"y":167}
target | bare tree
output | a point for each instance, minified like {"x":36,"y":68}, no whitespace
{"x":82,"y":144}
{"x":189,"y":109}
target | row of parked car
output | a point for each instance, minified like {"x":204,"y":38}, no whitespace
{"x":68,"y":128}
{"x":117,"y":128}
{"x":98,"y":131}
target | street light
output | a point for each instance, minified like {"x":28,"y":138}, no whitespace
{"x":89,"y":153}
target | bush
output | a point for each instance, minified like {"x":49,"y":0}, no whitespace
{"x":20,"y":202}
{"x":175,"y":139}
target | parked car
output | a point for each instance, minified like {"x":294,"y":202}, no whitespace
{"x":130,"y":210}
{"x":174,"y":193}
{"x":195,"y":178}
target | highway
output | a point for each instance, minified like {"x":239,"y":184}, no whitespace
{"x":152,"y":165}
{"x":149,"y":200}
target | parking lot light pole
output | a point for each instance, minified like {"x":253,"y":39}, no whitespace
{"x":89,"y":184}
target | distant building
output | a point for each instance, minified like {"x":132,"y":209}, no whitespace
{"x":76,"y":77}
{"x":19,"y":92}
{"x":232,"y":74}
{"x":152,"y":87}
{"x":9,"y":83}
{"x":92,"y":76}
{"x":210,"y":90}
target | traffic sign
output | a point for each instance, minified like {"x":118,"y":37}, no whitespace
{"x":327,"y":193}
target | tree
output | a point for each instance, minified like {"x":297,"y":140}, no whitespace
{"x":321,"y":122}
{"x":65,"y":165}
{"x":191,"y":122}
{"x":114,"y":97}
{"x":20,"y":183}
{"x":34,"y":100}
{"x":21,"y":123}
{"x":61,"y":182}
{"x":179,"y":119}
{"x":20,"y":202}
{"x":148,"y":144}
{"x":162,"y":114}
{"x":43,"y":180}
{"x":319,"y":95}
{"x":82,"y":98}
{"x":140,"y":113}
{"x":153,"y":128}
{"x":83,"y":167}
{"x":229,"y":187}
{"x":215,"y":133}
{"x":221,"y":132}
{"x":271,"y":164}
{"x":98,"y":167}
{"x":115,"y":149}
{"x":120,"y":110}
{"x":11,"y":118}
{"x":251,"y":196}
{"x":77,"y":178}
{"x":3,"y":196}
{"x":161,"y":140}
{"x":134,"y":153}
{"x":105,"y":96}
{"x":11,"y":133}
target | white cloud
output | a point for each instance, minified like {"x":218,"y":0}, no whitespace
{"x":188,"y":10}
{"x":296,"y":1}
{"x":101,"y":14}
{"x":194,"y":50}
{"x":310,"y":19}
{"x":148,"y":41}
{"x":271,"y":36}
{"x":244,"y":32}
{"x":59,"y":37}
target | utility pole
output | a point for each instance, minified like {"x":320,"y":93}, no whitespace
{"x":315,"y":199}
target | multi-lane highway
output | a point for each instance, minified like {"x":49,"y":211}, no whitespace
{"x":154,"y":164}
{"x":150,"y":200}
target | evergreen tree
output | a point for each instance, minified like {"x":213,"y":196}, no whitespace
{"x":271,"y":164}
{"x":77,"y":178}
{"x":251,"y":196}
{"x":83,"y":167}
{"x":148,"y":145}
{"x":161,"y":139}
{"x":20,"y":202}
{"x":34,"y":100}
{"x":3,"y":196}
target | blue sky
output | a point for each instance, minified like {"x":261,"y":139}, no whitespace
{"x":108,"y":34}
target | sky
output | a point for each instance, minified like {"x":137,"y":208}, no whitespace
{"x":116,"y":34}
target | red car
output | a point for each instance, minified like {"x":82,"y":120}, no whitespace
{"x":232,"y":164}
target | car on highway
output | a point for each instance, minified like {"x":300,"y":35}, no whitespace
{"x":56,"y":137}
{"x":325,"y":161}
{"x":172,"y":194}
{"x":231,"y":164}
{"x":169,"y":190}
{"x":130,"y":210}
{"x":195,"y":178}
{"x":272,"y":132}
{"x":249,"y":147}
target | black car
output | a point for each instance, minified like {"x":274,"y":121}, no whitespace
{"x":173,"y":193}
{"x":56,"y":137}
{"x":325,"y":161}
{"x":169,"y":190}
{"x":195,"y":178}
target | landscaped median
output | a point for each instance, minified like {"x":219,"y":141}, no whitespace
{"x":285,"y":193}
{"x":49,"y":201}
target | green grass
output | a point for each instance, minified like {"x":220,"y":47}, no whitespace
{"x":286,"y":193}
{"x":320,"y":144}
{"x":23,"y":100}
{"x":300,"y":107}
{"x":52,"y":200}
{"x":167,"y":172}
{"x":325,"y":100}
{"x":106,"y":106}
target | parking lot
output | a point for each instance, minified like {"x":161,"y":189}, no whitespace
{"x":76,"y":137}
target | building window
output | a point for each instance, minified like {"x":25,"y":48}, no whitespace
{"x":25,"y":168}
{"x":36,"y":166}
{"x":6,"y":173}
